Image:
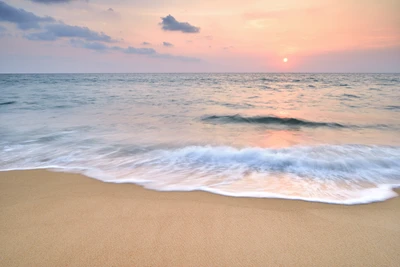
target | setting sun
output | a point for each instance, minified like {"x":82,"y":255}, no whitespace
{"x":285,"y":60}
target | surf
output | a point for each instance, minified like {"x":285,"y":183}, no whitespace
{"x":269,"y":120}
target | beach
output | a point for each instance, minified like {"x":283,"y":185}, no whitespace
{"x":61,"y":219}
{"x":199,"y":133}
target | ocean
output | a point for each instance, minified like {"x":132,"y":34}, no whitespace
{"x":332,"y":138}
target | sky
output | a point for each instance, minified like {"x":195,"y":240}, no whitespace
{"x":47,"y":36}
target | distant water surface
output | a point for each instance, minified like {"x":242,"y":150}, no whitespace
{"x":331,"y":138}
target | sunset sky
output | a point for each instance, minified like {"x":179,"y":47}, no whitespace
{"x":199,"y":36}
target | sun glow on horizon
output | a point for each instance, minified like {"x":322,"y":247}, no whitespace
{"x":200,"y":36}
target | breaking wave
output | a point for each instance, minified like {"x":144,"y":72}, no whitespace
{"x":269,"y":120}
{"x":341,"y":174}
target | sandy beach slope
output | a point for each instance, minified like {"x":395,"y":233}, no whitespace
{"x":59,"y":219}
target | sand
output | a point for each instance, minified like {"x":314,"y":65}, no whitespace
{"x":59,"y":219}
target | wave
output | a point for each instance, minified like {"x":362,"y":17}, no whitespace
{"x":7,"y":103}
{"x":350,"y":96}
{"x":392,"y":107}
{"x":341,"y":174}
{"x":268,"y":80}
{"x":269,"y":120}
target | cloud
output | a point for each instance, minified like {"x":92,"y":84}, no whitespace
{"x":55,"y":31}
{"x":179,"y":58}
{"x":139,"y":51}
{"x":97,"y":46}
{"x":23,"y":19}
{"x":89,"y":45}
{"x":80,"y":37}
{"x":47,"y":2}
{"x":169,"y":23}
{"x":150,"y":52}
{"x":51,"y":31}
{"x":166,"y":44}
{"x":110,"y":13}
{"x":3,"y":31}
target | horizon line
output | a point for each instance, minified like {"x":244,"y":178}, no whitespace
{"x":3,"y":73}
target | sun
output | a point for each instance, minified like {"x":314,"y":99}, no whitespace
{"x":285,"y":60}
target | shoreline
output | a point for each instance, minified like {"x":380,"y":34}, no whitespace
{"x":55,"y":218}
{"x":392,"y":190}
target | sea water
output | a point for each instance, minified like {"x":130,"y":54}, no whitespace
{"x":331,"y":138}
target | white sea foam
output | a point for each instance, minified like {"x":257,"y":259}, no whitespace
{"x":341,"y":174}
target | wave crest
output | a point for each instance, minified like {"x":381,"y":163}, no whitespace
{"x":269,"y":120}
{"x":7,"y":103}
